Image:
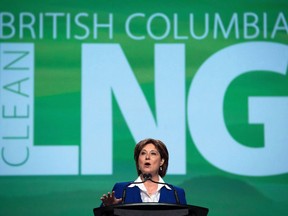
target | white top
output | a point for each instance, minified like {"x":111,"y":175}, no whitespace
{"x":143,"y":191}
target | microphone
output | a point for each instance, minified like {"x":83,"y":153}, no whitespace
{"x":146,"y":177}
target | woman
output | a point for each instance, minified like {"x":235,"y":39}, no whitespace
{"x":151,"y":157}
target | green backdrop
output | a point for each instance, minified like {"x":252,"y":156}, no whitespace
{"x":57,"y":99}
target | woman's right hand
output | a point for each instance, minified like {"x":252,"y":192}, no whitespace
{"x":110,"y":199}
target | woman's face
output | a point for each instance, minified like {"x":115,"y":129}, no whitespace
{"x":149,"y":160}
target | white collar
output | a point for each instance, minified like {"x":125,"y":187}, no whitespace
{"x":141,"y":185}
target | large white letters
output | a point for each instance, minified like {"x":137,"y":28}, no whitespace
{"x":205,"y":110}
{"x":18,"y":155}
{"x":106,"y":70}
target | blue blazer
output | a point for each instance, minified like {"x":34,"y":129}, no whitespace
{"x":133,"y":194}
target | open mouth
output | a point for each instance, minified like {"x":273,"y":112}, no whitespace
{"x":147,"y":164}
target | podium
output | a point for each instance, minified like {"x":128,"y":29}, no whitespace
{"x":151,"y":209}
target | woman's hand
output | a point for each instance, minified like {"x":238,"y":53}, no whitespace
{"x":110,"y":199}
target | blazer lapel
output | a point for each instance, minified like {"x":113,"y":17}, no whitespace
{"x":133,"y":195}
{"x":166,"y":196}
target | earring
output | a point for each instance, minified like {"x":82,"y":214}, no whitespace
{"x":160,"y":168}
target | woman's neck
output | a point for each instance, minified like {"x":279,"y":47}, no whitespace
{"x":151,"y":187}
{"x":155,"y":178}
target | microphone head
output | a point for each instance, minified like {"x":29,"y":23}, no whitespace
{"x":147,"y":176}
